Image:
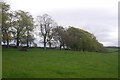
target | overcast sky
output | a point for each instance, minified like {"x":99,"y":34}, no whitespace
{"x":99,"y":17}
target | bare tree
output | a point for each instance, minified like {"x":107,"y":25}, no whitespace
{"x":45,"y":23}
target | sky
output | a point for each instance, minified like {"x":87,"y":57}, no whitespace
{"x":99,"y":17}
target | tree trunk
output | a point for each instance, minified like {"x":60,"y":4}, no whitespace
{"x":63,"y":45}
{"x":44,"y":42}
{"x":60,"y":46}
{"x":27,"y":42}
{"x":4,"y":43}
{"x":49,"y":44}
{"x":30,"y":44}
{"x":18,"y":39}
{"x":7,"y":43}
{"x":17,"y":42}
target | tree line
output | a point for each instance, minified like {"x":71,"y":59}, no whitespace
{"x":19,"y":26}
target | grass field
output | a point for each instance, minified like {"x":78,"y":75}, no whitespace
{"x":39,"y":63}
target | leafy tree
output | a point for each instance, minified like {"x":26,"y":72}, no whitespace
{"x":74,"y":39}
{"x":18,"y":26}
{"x":6,"y":23}
{"x":59,"y":35}
{"x":23,"y":26}
{"x":29,"y":25}
{"x":82,"y":40}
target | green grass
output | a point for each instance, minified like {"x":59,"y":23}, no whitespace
{"x":39,"y":63}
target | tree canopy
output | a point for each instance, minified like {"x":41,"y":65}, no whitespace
{"x":82,"y":40}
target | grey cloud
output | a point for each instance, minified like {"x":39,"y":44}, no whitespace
{"x":100,"y":22}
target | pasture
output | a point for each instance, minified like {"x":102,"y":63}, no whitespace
{"x":39,"y":63}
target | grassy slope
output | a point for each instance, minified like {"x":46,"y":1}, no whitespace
{"x":38,"y":63}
